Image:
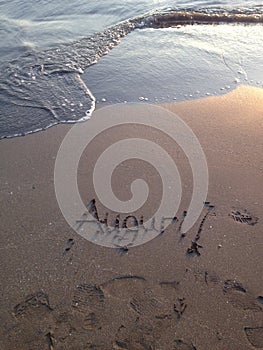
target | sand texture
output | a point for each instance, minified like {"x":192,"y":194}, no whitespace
{"x":197,"y":291}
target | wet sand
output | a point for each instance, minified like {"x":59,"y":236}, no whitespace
{"x":202,"y":290}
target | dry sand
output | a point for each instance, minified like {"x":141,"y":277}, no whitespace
{"x":60,"y":291}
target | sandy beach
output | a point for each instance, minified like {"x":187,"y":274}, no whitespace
{"x":198,"y":291}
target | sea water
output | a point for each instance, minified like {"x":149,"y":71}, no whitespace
{"x":60,"y":59}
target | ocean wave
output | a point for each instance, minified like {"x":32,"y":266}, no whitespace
{"x":40,"y":89}
{"x":170,"y":17}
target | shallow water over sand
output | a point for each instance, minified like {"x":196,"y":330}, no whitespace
{"x":42,"y":80}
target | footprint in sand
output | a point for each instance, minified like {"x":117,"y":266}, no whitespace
{"x":134,"y":291}
{"x":34,"y":305}
{"x":243,"y":217}
{"x":124,"y":286}
{"x":87,"y":297}
{"x":238,"y":296}
{"x":255,"y":336}
{"x":146,"y":305}
{"x":138,"y":336}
